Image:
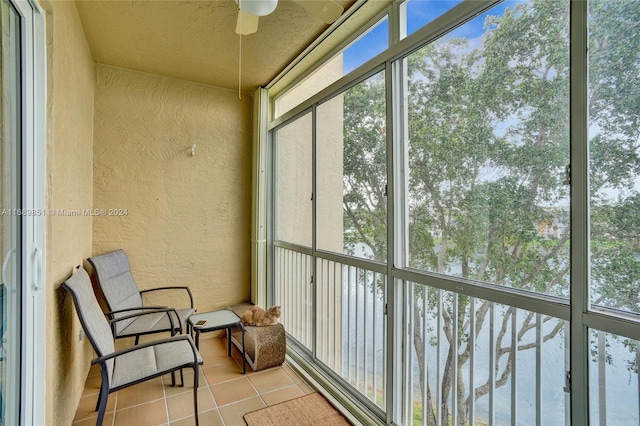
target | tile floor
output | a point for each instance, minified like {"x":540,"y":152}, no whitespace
{"x":224,"y":395}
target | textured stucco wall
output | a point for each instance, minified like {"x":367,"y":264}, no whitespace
{"x":187,"y":217}
{"x":70,"y":99}
{"x":294,"y":165}
{"x":320,"y":79}
{"x":294,"y":183}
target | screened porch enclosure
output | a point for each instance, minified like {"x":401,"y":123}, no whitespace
{"x":454,"y":223}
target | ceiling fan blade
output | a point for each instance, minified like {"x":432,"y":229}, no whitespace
{"x":326,"y":10}
{"x":247,"y":23}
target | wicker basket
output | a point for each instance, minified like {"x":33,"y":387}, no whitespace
{"x":264,"y":346}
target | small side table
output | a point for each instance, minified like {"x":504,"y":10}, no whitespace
{"x":218,"y":320}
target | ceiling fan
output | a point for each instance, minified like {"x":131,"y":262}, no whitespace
{"x":250,"y":10}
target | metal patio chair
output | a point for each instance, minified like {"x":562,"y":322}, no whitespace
{"x":136,"y":364}
{"x":124,"y":299}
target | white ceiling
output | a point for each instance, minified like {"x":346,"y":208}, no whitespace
{"x":196,"y":40}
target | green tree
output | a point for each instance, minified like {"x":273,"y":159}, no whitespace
{"x":614,"y":113}
{"x":365,"y":172}
{"x":488,"y":141}
{"x":488,"y":130}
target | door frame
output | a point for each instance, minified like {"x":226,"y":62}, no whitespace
{"x":33,"y":325}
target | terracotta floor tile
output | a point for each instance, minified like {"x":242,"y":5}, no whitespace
{"x":281,"y":395}
{"x":292,"y":374}
{"x":233,"y":391}
{"x":92,"y":385}
{"x":237,"y":356}
{"x":86,"y":407}
{"x":212,"y":358}
{"x":306,"y":388}
{"x":222,"y":373}
{"x":208,"y":418}
{"x":270,"y":380}
{"x":233,"y":414}
{"x":108,"y":421}
{"x":149,"y":414}
{"x":181,"y":406}
{"x":188,"y":382}
{"x":141,"y":393}
{"x":210,"y":344}
{"x":224,"y":395}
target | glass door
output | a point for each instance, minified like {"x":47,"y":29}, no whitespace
{"x":11,"y":209}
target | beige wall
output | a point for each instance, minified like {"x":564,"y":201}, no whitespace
{"x":294,"y":165}
{"x":320,"y":79}
{"x":330,"y":175}
{"x":70,"y":92}
{"x":122,"y":139}
{"x":187,"y":217}
{"x":294,"y":185}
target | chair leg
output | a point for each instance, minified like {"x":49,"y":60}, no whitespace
{"x":98,"y":401}
{"x":195,"y":391}
{"x":104,"y":396}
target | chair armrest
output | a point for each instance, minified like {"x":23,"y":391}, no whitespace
{"x":140,"y":308}
{"x":187,"y":289}
{"x":149,"y":311}
{"x":115,"y":354}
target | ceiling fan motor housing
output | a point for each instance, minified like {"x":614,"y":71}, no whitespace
{"x":258,"y":7}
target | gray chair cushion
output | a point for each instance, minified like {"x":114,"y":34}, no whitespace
{"x":117,"y":284}
{"x":93,"y":321}
{"x":152,"y":360}
{"x":155,"y":322}
{"x":121,"y":292}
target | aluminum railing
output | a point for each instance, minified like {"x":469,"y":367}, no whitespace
{"x":349,"y":314}
{"x":614,"y":379}
{"x":470,"y":361}
{"x":294,"y":293}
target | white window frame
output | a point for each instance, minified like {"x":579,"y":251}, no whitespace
{"x":33,"y":68}
{"x":583,"y":317}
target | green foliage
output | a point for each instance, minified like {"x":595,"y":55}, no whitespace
{"x":614,"y":97}
{"x":614,"y":110}
{"x":488,"y":132}
{"x":488,"y":142}
{"x":365,"y":172}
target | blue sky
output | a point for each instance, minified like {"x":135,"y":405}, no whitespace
{"x":419,"y":13}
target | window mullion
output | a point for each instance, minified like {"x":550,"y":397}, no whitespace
{"x":314,"y":228}
{"x":396,"y":236}
{"x":579,"y":215}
